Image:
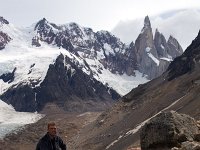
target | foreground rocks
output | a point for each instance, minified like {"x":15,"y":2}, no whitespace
{"x":170,"y":131}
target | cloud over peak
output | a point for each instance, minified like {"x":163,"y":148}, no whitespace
{"x":184,"y":25}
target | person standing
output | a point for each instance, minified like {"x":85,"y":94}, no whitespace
{"x":50,"y":141}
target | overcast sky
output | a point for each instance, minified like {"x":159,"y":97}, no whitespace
{"x":111,"y":15}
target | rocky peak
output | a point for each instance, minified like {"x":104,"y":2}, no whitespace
{"x":145,"y":39}
{"x":46,"y":31}
{"x":175,"y":48}
{"x":43,"y":22}
{"x":187,"y":61}
{"x":145,"y":50}
{"x":3,"y":21}
{"x":44,"y":26}
{"x":160,"y":44}
{"x":147,"y":23}
{"x":154,"y":55}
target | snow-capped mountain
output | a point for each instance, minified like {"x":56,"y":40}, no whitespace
{"x":68,"y":64}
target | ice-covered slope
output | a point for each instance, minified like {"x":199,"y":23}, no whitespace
{"x":10,"y":120}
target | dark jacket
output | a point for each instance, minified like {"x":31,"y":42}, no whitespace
{"x":46,"y":143}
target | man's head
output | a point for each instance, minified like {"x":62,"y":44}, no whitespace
{"x":52,"y":129}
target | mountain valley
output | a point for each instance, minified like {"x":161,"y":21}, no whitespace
{"x":99,"y":90}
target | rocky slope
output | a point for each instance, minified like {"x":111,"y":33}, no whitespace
{"x":177,"y":89}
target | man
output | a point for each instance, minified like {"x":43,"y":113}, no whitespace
{"x":51,"y":141}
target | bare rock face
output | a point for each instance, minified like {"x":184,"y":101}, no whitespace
{"x":155,"y":54}
{"x":147,"y":56}
{"x":161,"y":44}
{"x":169,"y":130}
{"x":175,"y":49}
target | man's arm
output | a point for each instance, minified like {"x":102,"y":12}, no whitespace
{"x":38,"y":146}
{"x":62,"y":144}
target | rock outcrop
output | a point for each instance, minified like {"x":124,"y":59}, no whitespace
{"x":170,"y":130}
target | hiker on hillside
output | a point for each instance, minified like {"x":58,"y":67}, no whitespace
{"x":50,"y":141}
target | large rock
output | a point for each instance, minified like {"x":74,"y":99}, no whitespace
{"x":169,"y":130}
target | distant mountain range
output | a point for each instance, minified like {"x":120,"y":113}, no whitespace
{"x":75,"y":67}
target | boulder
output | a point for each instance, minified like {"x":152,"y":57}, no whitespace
{"x":169,"y":130}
